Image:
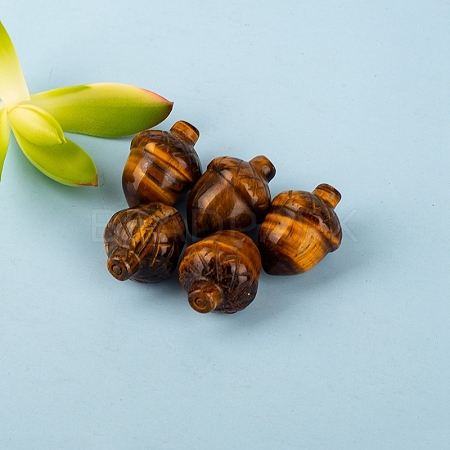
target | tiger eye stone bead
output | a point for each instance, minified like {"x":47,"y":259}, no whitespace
{"x":162,"y":165}
{"x":144,"y":243}
{"x":220,"y":273}
{"x":232,"y":194}
{"x":300,"y":229}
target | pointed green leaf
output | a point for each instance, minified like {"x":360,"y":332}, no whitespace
{"x":5,"y":133}
{"x":66,"y":163}
{"x":104,"y":109}
{"x":13,"y":88}
{"x":36,"y":125}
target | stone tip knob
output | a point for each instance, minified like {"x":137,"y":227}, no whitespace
{"x":264,"y":167}
{"x":185,"y":131}
{"x":122,"y":264}
{"x":204,"y":296}
{"x":328,"y":194}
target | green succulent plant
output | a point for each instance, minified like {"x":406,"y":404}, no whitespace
{"x":39,"y":121}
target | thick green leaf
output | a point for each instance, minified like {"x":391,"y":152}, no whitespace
{"x":104,"y":109}
{"x":5,"y":133}
{"x":13,"y":88}
{"x":36,"y":125}
{"x":66,"y":163}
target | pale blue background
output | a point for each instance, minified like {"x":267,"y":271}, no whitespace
{"x":353,"y":354}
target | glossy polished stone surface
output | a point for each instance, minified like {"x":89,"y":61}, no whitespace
{"x":352,"y":354}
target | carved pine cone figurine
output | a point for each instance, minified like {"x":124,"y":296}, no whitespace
{"x":300,"y":230}
{"x":220,"y":273}
{"x":231,"y":195}
{"x":162,"y":165}
{"x":144,"y":243}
